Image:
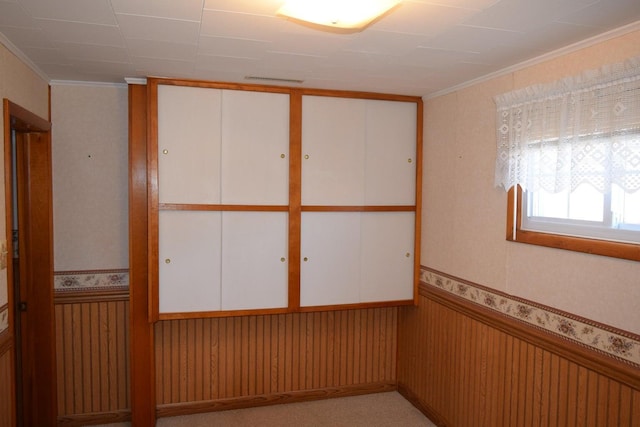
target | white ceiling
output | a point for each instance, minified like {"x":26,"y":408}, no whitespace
{"x":420,"y":48}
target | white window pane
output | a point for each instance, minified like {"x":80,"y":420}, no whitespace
{"x":586,"y":204}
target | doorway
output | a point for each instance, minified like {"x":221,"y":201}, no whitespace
{"x":29,"y":243}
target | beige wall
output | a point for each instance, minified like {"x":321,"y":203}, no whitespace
{"x":464,"y":216}
{"x":90,"y":176}
{"x":22,"y":86}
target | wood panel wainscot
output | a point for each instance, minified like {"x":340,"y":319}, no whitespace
{"x":465,"y":364}
{"x":222,"y":363}
{"x":6,"y":379}
{"x":92,"y":345}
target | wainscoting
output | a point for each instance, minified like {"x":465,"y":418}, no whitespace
{"x":92,"y":353}
{"x":219,"y":363}
{"x":6,"y":391}
{"x":467,"y":365}
{"x":466,"y":356}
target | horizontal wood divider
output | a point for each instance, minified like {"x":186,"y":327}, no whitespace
{"x":91,"y":295}
{"x":215,"y":208}
{"x":314,"y":208}
{"x":175,"y":409}
{"x":95,"y":418}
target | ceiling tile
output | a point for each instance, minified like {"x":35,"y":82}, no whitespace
{"x":26,"y":37}
{"x":89,"y":11}
{"x":159,"y":29}
{"x":436,"y":58}
{"x":161,"y":50}
{"x":310,"y":43}
{"x":601,"y":15}
{"x":385,"y":42}
{"x":226,"y":63}
{"x":47,"y":56}
{"x":262,"y":7}
{"x":13,"y":15}
{"x":419,"y":48}
{"x":471,"y":39}
{"x":72,"y":32}
{"x":91,"y":52}
{"x":239,"y":25}
{"x":524,"y":15}
{"x":421,"y":18}
{"x":291,"y":61}
{"x":227,"y":46}
{"x":189,"y":10}
{"x":163,"y":68}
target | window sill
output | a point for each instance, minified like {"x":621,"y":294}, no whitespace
{"x":515,"y":233}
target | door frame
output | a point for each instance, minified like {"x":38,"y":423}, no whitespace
{"x":38,"y":211}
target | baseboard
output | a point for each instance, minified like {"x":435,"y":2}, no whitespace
{"x":427,"y":410}
{"x":175,"y":409}
{"x":95,"y":418}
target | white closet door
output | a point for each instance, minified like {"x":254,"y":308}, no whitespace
{"x":330,"y":258}
{"x":390,"y":153}
{"x":188,"y":144}
{"x":254,"y":260}
{"x":255,"y":148}
{"x":387,"y":256}
{"x":333,"y":144}
{"x":189,"y":261}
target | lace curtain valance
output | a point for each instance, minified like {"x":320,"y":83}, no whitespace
{"x":583,"y":129}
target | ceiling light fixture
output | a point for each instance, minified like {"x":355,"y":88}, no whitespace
{"x":337,"y":14}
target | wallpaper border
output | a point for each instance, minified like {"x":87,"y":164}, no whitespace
{"x":90,"y":280}
{"x":619,"y":344}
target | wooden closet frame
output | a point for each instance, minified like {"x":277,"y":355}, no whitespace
{"x":143,"y":220}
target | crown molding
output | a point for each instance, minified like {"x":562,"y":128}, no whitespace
{"x":635,"y":26}
{"x":23,"y":58}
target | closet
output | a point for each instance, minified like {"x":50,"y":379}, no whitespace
{"x":267,"y":199}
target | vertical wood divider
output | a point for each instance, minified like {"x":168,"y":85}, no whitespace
{"x":295,"y":182}
{"x":418,"y":212}
{"x":143,"y":398}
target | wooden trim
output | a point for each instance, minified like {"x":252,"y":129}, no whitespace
{"x":90,"y":295}
{"x":95,"y":418}
{"x":426,"y":410}
{"x":360,"y":95}
{"x":583,"y":356}
{"x":356,"y":306}
{"x":154,"y":81}
{"x":221,"y":313}
{"x":418,"y":200}
{"x":6,"y":342}
{"x":198,"y":207}
{"x":295,"y":198}
{"x":23,"y":120}
{"x":621,"y":250}
{"x":187,"y":408}
{"x":150,"y":167}
{"x":8,"y":107}
{"x":36,"y":207}
{"x":283,"y":89}
{"x":283,"y":310}
{"x":369,"y":208}
{"x":141,"y":306}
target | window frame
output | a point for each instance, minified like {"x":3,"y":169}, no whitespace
{"x":515,"y":233}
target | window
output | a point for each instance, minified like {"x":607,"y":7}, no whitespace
{"x":569,"y":154}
